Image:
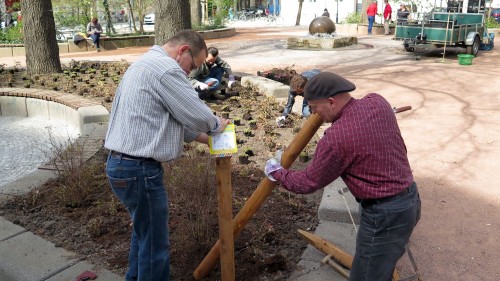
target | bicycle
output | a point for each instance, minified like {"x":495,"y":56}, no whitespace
{"x":274,"y":19}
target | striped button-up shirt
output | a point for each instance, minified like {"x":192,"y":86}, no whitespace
{"x":155,"y":109}
{"x":364,"y":146}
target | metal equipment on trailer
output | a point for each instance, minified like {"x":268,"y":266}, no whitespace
{"x":444,"y":29}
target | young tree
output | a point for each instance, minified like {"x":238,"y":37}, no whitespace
{"x":42,"y":51}
{"x":171,"y":16}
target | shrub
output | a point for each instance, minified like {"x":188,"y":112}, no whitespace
{"x":354,"y":18}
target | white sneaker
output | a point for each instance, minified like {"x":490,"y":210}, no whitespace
{"x":92,"y":46}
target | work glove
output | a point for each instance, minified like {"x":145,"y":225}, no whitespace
{"x":280,"y":121}
{"x":231,"y":81}
{"x":272,"y":165}
{"x":202,"y":86}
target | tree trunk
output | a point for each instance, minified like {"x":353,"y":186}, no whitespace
{"x":364,"y":7}
{"x":297,"y":22}
{"x":42,"y":51}
{"x":171,"y":16}
{"x":109,"y":24}
{"x":195,"y":12}
{"x":131,"y":15}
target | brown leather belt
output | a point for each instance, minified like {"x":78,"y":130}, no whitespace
{"x":120,"y":155}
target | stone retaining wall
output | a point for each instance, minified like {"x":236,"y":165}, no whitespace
{"x":74,"y":110}
{"x":110,"y":43}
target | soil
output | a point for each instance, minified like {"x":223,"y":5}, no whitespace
{"x":78,"y":211}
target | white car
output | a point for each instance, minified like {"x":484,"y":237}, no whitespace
{"x":149,"y":19}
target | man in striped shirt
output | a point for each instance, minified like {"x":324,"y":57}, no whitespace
{"x":365,"y":148}
{"x":154,"y":111}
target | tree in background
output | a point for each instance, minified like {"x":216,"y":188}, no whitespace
{"x":195,"y":12}
{"x":171,"y":16}
{"x":109,"y":23}
{"x":42,"y":51}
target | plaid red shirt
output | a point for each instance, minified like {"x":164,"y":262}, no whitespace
{"x":363,"y":146}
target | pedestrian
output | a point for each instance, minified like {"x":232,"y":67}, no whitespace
{"x":371,"y":12}
{"x":325,"y":13}
{"x":208,"y":76}
{"x":154,"y":110}
{"x":387,"y":17}
{"x":402,"y":14}
{"x":94,"y":31}
{"x":297,"y":85}
{"x":363,"y":146}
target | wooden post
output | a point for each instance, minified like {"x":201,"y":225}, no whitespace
{"x":225,"y":197}
{"x":262,"y":192}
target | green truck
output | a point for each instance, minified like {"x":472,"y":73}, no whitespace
{"x":440,"y":29}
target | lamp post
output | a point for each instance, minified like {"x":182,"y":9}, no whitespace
{"x":337,"y":15}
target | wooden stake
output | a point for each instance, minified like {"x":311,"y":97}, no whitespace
{"x":333,"y":251}
{"x":262,"y":192}
{"x":225,"y":197}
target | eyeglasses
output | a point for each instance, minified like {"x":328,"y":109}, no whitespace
{"x":193,"y":65}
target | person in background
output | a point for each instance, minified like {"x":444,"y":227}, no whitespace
{"x":154,"y":111}
{"x":402,"y":14}
{"x":387,"y":17}
{"x":371,"y":12}
{"x":297,"y":85}
{"x":363,"y":146}
{"x":208,"y":76}
{"x":325,"y":13}
{"x":94,"y":31}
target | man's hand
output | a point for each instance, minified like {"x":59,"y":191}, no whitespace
{"x":223,"y":124}
{"x":280,"y":121}
{"x":231,"y":81}
{"x":202,"y":86}
{"x":272,"y":166}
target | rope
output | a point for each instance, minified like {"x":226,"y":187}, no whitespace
{"x":341,"y":191}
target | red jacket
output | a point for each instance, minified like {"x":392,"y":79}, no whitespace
{"x":372,"y":9}
{"x":387,"y":12}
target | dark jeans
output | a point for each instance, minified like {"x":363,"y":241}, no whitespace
{"x":371,"y":19}
{"x":291,"y":101}
{"x":95,"y":39}
{"x":138,"y":183}
{"x":215,"y":75}
{"x":384,"y":230}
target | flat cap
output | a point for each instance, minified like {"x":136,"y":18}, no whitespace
{"x":325,"y":85}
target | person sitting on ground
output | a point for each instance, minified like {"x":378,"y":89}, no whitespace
{"x":297,"y":84}
{"x":208,"y":75}
{"x":94,"y":31}
{"x":325,"y":13}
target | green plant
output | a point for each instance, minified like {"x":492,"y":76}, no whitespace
{"x":354,"y":18}
{"x":12,"y":35}
{"x":492,"y":23}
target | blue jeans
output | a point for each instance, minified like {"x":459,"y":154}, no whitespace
{"x":291,"y":101}
{"x":216,"y":73}
{"x":371,"y":19}
{"x":384,"y":231}
{"x":95,"y":39}
{"x":138,"y":183}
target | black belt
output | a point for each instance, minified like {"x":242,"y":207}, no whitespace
{"x":385,"y":199}
{"x":130,"y":157}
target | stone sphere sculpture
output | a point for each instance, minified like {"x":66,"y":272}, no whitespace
{"x":321,"y":25}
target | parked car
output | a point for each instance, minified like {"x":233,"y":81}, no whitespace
{"x":495,"y":13}
{"x":149,"y":19}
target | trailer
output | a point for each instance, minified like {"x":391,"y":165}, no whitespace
{"x":443,"y":29}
